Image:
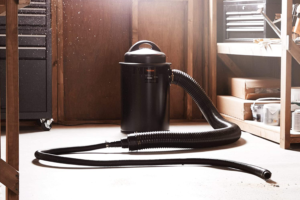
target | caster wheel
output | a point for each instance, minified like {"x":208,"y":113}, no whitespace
{"x":46,"y":124}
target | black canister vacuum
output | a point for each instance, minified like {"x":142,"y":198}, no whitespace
{"x":145,"y":85}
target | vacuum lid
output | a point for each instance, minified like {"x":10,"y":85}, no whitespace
{"x":145,"y":55}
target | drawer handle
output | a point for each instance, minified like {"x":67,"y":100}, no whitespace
{"x":246,"y":29}
{"x":242,"y":13}
{"x":27,"y":48}
{"x":33,"y":9}
{"x":39,"y":3}
{"x":243,"y":18}
{"x":4,"y":35}
{"x":31,"y":15}
{"x":245,"y":24}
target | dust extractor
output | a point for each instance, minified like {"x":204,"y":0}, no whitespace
{"x":145,"y":85}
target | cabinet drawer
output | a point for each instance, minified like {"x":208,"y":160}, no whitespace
{"x":243,"y":21}
{"x":27,"y":40}
{"x":32,"y":10}
{"x":33,"y":85}
{"x":27,"y":52}
{"x":35,"y":7}
{"x":37,"y":4}
{"x":28,"y":20}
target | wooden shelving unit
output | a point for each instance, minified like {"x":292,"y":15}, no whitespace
{"x":249,"y":49}
{"x":260,"y":129}
{"x":286,"y":50}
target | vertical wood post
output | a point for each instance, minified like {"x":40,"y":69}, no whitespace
{"x":286,"y":72}
{"x":206,"y":23}
{"x":60,"y":63}
{"x":12,"y":89}
{"x":190,"y":43}
{"x":135,"y":22}
{"x":213,"y":50}
{"x":54,"y":60}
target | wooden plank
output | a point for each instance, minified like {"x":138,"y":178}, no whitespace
{"x":294,"y":50}
{"x":54,"y":60}
{"x":9,"y":177}
{"x":135,"y":22}
{"x":260,"y":129}
{"x":295,"y":134}
{"x":249,"y":49}
{"x":190,"y":58}
{"x":295,"y":139}
{"x":286,"y":72}
{"x":169,"y":31}
{"x":60,"y":62}
{"x":96,"y":34}
{"x":257,"y":128}
{"x":190,"y":21}
{"x":231,"y":65}
{"x":206,"y":46}
{"x":12,"y":90}
{"x":198,"y":33}
{"x":213,"y":49}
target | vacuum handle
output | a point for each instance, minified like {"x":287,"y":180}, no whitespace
{"x":136,"y":46}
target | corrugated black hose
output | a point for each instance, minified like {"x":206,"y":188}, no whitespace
{"x":225,"y":133}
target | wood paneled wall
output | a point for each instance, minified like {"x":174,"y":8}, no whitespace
{"x":92,"y":37}
{"x":96,"y":34}
{"x":165,"y":24}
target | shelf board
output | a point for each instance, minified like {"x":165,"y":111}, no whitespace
{"x":249,"y":49}
{"x":260,"y":129}
{"x":22,"y":4}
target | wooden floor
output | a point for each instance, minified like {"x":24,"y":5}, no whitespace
{"x":47,"y":181}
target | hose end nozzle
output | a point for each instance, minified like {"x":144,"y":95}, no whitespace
{"x":266,"y":174}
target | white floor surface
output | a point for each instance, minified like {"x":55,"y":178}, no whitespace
{"x":49,"y":181}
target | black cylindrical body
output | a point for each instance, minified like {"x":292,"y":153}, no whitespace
{"x":145,"y":89}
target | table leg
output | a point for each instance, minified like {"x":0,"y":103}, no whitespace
{"x":12,"y":89}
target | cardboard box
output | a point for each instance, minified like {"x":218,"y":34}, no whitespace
{"x":236,"y":107}
{"x":254,"y":88}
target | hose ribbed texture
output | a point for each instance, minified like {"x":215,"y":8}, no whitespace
{"x":224,"y":133}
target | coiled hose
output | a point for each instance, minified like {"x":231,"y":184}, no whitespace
{"x":225,"y":133}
